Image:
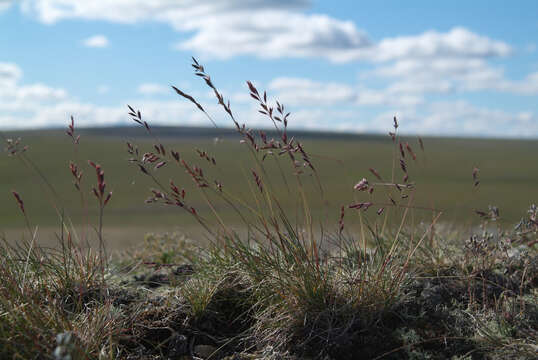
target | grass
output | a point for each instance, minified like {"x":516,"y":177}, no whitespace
{"x":444,"y":181}
{"x":300,"y":260}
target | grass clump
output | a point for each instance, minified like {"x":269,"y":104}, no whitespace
{"x":283,"y":285}
{"x":48,"y":292}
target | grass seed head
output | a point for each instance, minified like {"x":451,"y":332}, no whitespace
{"x":19,"y":201}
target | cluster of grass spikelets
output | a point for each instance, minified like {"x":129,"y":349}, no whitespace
{"x":283,"y":285}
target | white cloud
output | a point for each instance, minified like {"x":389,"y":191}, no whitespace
{"x":387,"y":97}
{"x":326,"y":120}
{"x":458,"y":42}
{"x":438,"y":118}
{"x":457,"y":118}
{"x":5,"y":4}
{"x":90,"y":115}
{"x":253,"y":27}
{"x":425,"y":63}
{"x":130,"y":11}
{"x":414,"y":76}
{"x":153,"y":89}
{"x":39,"y":92}
{"x":240,"y":97}
{"x":526,"y":86}
{"x":441,"y":75}
{"x":163,"y":113}
{"x":419,"y":87}
{"x":265,"y":34}
{"x":300,"y":91}
{"x":37,"y":105}
{"x":306,"y":92}
{"x":460,"y":117}
{"x":323,"y":36}
{"x":417,"y":65}
{"x":17,"y":97}
{"x":96,"y":41}
{"x":414,"y":66}
{"x":269,"y":29}
{"x":431,"y":68}
{"x":9,"y":74}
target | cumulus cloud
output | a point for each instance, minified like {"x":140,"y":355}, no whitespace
{"x":428,"y":68}
{"x":96,"y":41}
{"x":269,"y":29}
{"x":458,"y":42}
{"x":326,"y":120}
{"x":438,"y":76}
{"x":252,"y":27}
{"x":429,"y":62}
{"x":438,"y":118}
{"x":410,"y":67}
{"x":91,"y":115}
{"x":406,"y":93}
{"x":306,"y":92}
{"x":300,"y":91}
{"x":387,"y":97}
{"x":526,"y":86}
{"x":38,"y":105}
{"x":265,"y":34}
{"x":419,"y":87}
{"x":438,"y":62}
{"x":460,"y":117}
{"x":445,"y":75}
{"x":17,"y":97}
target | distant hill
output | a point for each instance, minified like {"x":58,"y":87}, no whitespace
{"x":195,"y":132}
{"x":192,"y":132}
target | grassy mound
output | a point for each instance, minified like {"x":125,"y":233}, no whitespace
{"x":244,"y":303}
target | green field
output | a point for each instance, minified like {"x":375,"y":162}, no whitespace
{"x":443,"y":176}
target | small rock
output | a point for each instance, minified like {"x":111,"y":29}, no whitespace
{"x":205,"y":351}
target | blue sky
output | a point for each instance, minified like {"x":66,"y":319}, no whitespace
{"x":444,"y":68}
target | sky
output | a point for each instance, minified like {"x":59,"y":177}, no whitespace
{"x":457,"y":68}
